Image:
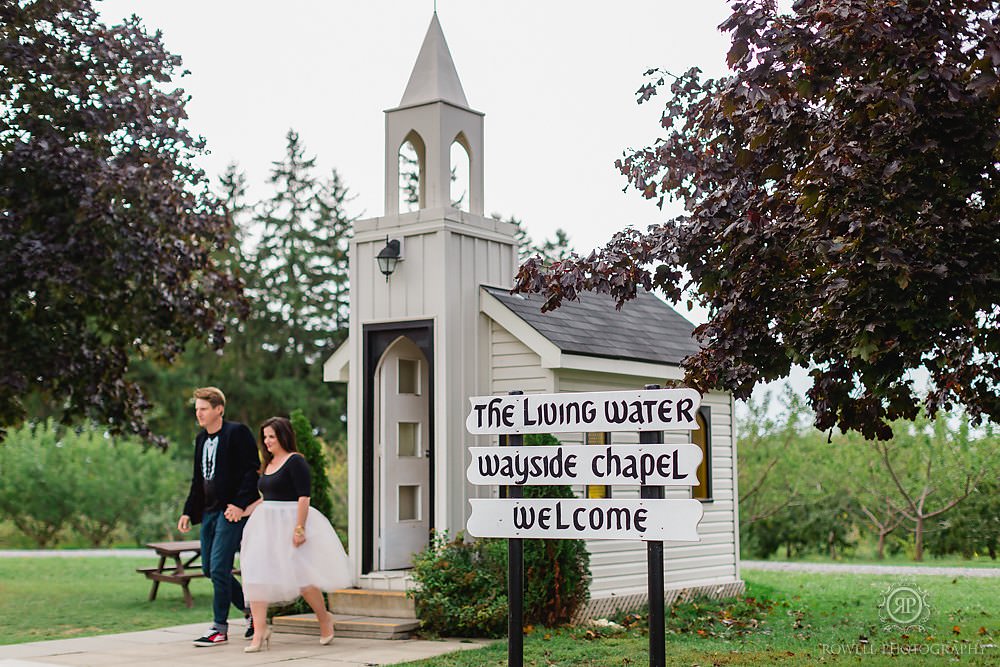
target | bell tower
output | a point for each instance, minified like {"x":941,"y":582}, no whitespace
{"x":432,"y":115}
{"x":418,"y":337}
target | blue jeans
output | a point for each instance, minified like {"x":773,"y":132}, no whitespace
{"x":220,"y":540}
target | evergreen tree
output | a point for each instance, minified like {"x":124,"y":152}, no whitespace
{"x":302,"y":256}
{"x":549,"y":251}
{"x":296,"y":282}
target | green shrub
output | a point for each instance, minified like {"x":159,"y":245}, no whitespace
{"x":556,"y":572}
{"x":462,"y":587}
{"x":312,"y":450}
{"x":55,"y":477}
{"x":36,"y":494}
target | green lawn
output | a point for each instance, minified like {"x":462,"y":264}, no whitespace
{"x":56,"y":598}
{"x":794,"y":617}
{"x":814,"y":618}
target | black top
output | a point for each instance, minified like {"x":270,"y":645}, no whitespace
{"x":289,"y":482}
{"x":234,"y":472}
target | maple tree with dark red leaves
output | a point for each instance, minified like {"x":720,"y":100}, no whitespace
{"x":841,"y":210}
{"x":108,"y":234}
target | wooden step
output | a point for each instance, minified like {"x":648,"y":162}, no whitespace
{"x":346,"y":625}
{"x":365,"y":602}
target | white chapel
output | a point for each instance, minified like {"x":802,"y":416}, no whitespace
{"x":433,"y":322}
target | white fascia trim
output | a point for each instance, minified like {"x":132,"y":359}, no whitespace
{"x":524,"y":332}
{"x":337,"y":367}
{"x":647,"y":369}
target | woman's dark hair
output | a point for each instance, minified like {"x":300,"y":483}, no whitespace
{"x":286,"y":438}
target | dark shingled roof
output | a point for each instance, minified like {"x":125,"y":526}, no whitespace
{"x":645,"y":329}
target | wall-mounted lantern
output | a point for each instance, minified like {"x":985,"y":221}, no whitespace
{"x":388,"y":257}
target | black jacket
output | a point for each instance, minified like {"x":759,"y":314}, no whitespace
{"x":236,"y":464}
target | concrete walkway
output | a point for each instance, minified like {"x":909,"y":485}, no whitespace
{"x":171,"y":647}
{"x":780,"y":566}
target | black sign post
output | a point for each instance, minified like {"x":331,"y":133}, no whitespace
{"x":515,"y":576}
{"x":654,"y":566}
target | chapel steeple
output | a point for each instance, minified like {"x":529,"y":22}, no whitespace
{"x":434,"y":77}
{"x":432,"y":115}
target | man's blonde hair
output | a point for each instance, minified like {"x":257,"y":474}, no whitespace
{"x":213,"y":395}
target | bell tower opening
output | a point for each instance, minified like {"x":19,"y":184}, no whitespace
{"x":461,"y":163}
{"x":412,"y":174}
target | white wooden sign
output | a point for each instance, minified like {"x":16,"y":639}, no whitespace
{"x":645,"y":410}
{"x":563,"y":518}
{"x":655,"y":465}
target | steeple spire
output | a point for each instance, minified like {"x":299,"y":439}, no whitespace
{"x":434,"y":78}
{"x":433,"y":117}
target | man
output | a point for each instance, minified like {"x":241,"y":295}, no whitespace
{"x":224,"y":482}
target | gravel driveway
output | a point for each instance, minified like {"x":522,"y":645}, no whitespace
{"x":779,"y":566}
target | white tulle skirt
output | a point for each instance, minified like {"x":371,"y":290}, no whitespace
{"x":275,"y":570}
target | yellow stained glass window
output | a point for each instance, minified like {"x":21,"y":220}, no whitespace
{"x":597,"y":490}
{"x":702,"y":438}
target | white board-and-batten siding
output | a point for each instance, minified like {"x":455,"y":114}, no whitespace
{"x":446,"y":255}
{"x":618,"y":568}
{"x":514,"y":366}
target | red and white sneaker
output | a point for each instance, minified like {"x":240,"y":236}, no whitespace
{"x":213,"y":638}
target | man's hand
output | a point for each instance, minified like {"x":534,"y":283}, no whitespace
{"x":184,"y":523}
{"x":233,"y":513}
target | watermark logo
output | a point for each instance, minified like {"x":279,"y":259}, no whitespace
{"x":904,"y":608}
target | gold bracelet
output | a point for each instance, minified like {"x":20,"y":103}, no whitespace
{"x":300,"y":530}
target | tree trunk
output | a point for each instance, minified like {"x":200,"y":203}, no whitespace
{"x":881,"y":545}
{"x":918,"y":539}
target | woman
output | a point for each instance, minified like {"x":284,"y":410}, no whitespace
{"x":289,"y":548}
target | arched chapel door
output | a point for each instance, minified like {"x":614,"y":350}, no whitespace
{"x":403,"y":455}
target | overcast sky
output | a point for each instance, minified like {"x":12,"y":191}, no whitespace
{"x":556,"y":80}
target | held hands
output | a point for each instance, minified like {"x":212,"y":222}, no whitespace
{"x":233,"y":513}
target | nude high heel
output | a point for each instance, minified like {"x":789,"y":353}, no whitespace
{"x":263,"y":645}
{"x":325,"y":641}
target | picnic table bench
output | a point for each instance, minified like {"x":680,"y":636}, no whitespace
{"x":180,"y":572}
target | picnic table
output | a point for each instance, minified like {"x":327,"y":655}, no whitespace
{"x":181,"y":571}
{"x":184,"y":568}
